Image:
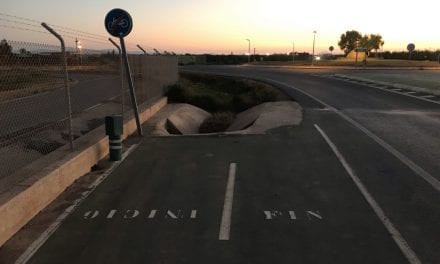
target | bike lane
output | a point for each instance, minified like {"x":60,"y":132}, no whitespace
{"x":292,"y":203}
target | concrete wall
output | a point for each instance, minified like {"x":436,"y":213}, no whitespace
{"x":48,"y":177}
{"x":152,"y":74}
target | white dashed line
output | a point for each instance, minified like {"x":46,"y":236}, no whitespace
{"x":225,"y":226}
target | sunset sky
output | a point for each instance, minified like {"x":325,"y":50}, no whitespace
{"x":208,"y":26}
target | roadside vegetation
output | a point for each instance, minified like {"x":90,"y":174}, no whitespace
{"x":16,"y":83}
{"x":223,"y":97}
{"x":371,"y":62}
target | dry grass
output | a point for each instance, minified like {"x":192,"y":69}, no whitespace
{"x":372,"y":62}
{"x":20,"y":82}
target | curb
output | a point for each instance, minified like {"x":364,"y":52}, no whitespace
{"x":50,"y":176}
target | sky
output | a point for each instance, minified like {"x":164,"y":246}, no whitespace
{"x":222,"y":27}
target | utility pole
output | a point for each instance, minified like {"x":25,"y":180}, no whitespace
{"x":249,"y":50}
{"x":293,"y":53}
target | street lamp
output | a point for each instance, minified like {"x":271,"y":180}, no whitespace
{"x":313,"y":50}
{"x":78,"y":49}
{"x":249,"y":50}
{"x":293,"y":53}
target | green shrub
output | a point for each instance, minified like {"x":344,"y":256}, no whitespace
{"x":220,"y":94}
{"x":176,"y":93}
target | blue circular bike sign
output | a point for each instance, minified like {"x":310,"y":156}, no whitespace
{"x":118,"y":22}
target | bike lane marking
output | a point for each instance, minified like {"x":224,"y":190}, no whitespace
{"x":39,"y":242}
{"x":225,"y":226}
{"x":395,"y":234}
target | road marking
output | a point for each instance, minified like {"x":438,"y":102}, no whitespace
{"x":395,"y":234}
{"x":428,"y":96}
{"x":152,"y":214}
{"x":111,"y":214}
{"x":272,"y":214}
{"x":193,"y":214}
{"x":291,"y":214}
{"x":392,"y":90}
{"x":404,"y":159}
{"x":400,"y":156}
{"x":312,"y":214}
{"x":130,"y":214}
{"x":172,"y":215}
{"x":91,"y":214}
{"x":99,"y":104}
{"x":225,"y":226}
{"x":33,"y":248}
{"x":411,"y":92}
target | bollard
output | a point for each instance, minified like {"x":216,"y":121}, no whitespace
{"x":114,"y":130}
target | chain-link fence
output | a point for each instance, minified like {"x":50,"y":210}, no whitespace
{"x":34,"y":109}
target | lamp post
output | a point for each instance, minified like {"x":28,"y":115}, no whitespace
{"x":78,"y":50}
{"x":313,"y":50}
{"x":249,"y":50}
{"x":293,"y":53}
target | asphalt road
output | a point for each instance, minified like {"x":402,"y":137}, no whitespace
{"x":34,"y":111}
{"x":356,"y":182}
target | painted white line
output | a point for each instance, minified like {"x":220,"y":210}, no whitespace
{"x":404,"y":159}
{"x":397,"y":91}
{"x":99,"y":104}
{"x":400,"y":156}
{"x":33,"y":248}
{"x":394,"y":90}
{"x":225,"y":226}
{"x":395,"y":234}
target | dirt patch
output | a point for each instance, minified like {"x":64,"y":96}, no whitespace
{"x":218,"y":122}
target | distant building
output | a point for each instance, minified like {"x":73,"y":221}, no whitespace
{"x":361,"y":54}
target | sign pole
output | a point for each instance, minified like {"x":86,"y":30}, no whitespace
{"x":119,"y":24}
{"x":130,"y":84}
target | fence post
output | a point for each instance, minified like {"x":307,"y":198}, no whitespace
{"x":142,"y":49}
{"x":66,"y":80}
{"x":122,"y":76}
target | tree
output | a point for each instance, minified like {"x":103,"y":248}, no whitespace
{"x":376,"y":41}
{"x":331,"y":49}
{"x":370,"y":42}
{"x":5,"y":48}
{"x":349,"y":40}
